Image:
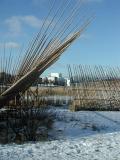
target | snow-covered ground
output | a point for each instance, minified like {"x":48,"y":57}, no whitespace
{"x":75,"y":135}
{"x":84,"y":123}
{"x":98,"y":147}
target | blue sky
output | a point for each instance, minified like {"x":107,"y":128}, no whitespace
{"x":99,"y":44}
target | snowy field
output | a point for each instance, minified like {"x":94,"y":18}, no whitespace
{"x":74,"y":135}
{"x":98,"y":147}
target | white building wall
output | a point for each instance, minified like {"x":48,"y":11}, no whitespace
{"x":54,"y":75}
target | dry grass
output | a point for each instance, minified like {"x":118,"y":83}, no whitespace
{"x":51,"y":91}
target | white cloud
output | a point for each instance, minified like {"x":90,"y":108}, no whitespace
{"x":15,"y":23}
{"x":9,"y":45}
{"x":31,"y":21}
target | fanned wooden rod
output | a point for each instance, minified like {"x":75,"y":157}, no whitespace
{"x":31,"y":76}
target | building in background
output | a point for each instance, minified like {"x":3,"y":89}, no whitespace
{"x":55,"y":79}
